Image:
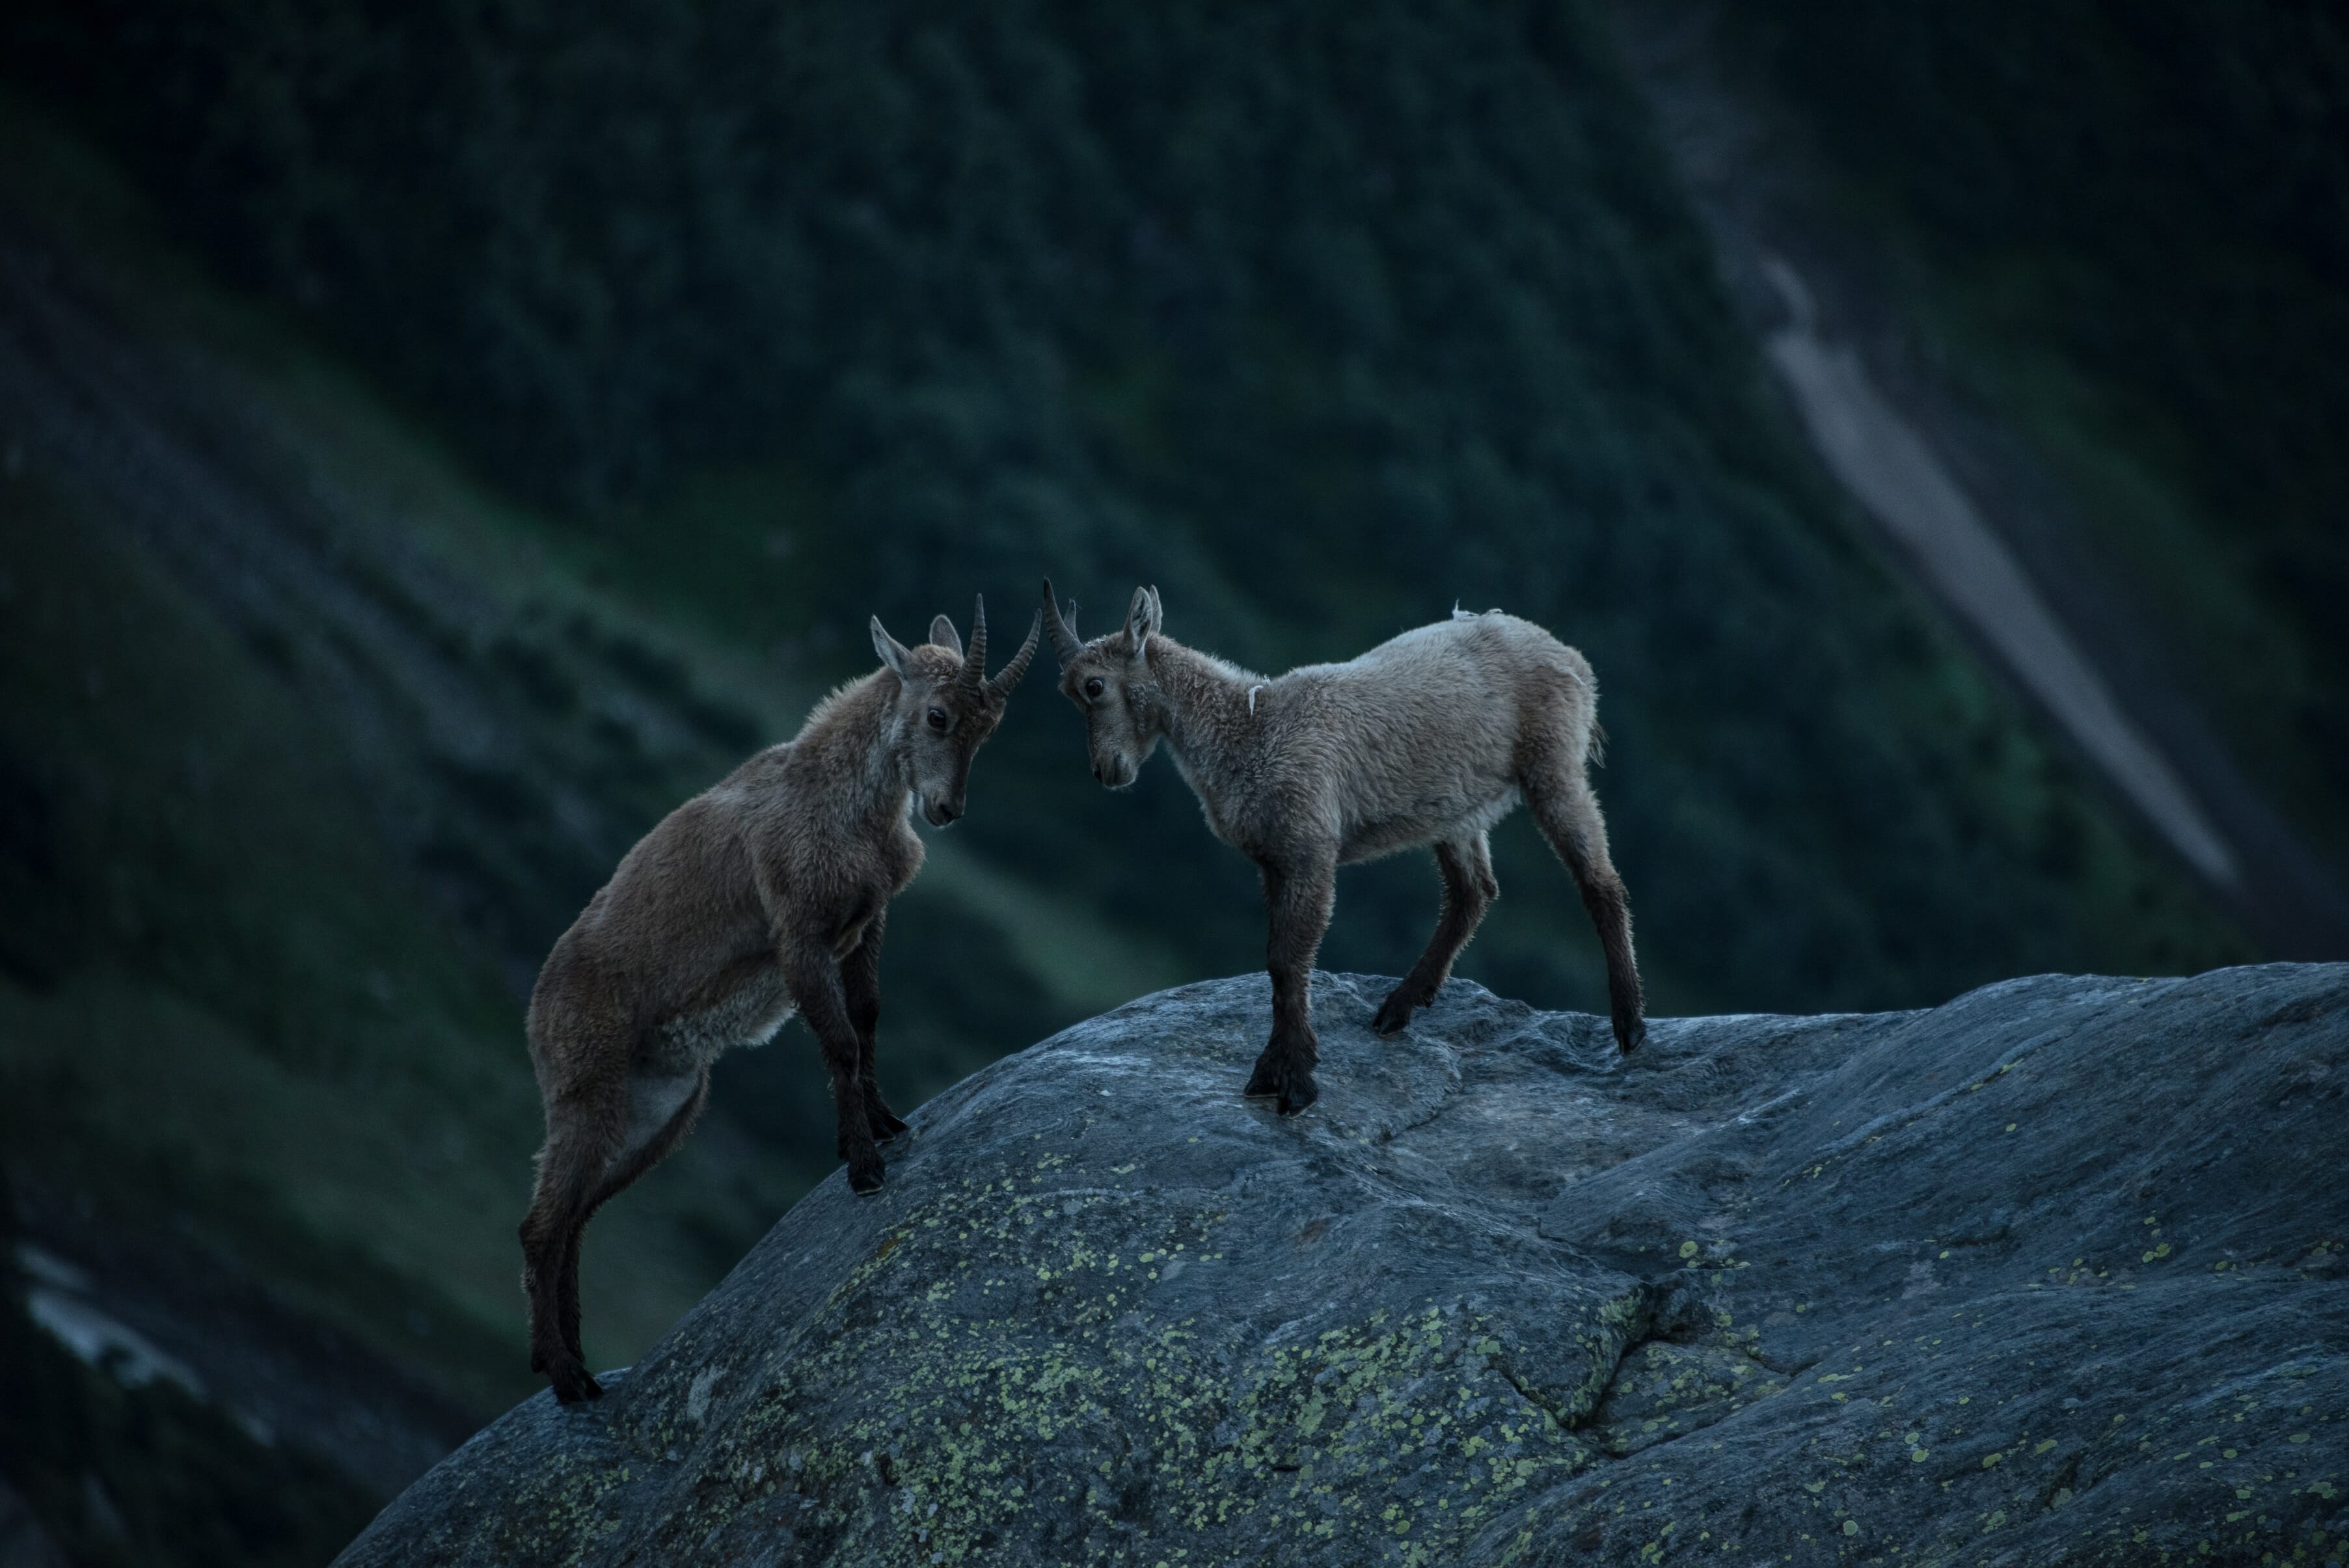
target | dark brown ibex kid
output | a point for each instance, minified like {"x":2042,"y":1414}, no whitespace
{"x":761,"y":897}
{"x":1429,"y":738}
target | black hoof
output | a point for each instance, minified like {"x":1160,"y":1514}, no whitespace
{"x":864,"y":1180}
{"x":1628,"y":1037}
{"x":1284,"y":1081}
{"x":573,"y":1385}
{"x":886,"y":1125}
{"x":1264,"y":1083}
{"x":1392,"y":1016}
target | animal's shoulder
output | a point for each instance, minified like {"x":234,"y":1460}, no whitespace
{"x":703,"y":828}
{"x":762,"y":786}
{"x":765,"y":769}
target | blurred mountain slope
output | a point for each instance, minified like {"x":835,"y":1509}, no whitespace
{"x":236,"y":1002}
{"x":309,"y":748}
{"x":2125,"y":229}
{"x":1317,"y":316}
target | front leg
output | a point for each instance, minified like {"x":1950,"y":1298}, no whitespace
{"x":1297,"y":897}
{"x":860,"y":979}
{"x":814,"y":976}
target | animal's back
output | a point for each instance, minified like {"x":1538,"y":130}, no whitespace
{"x":1420,"y":735}
{"x":1464,"y":656}
{"x":677,"y":946}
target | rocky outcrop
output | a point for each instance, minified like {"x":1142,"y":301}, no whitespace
{"x":2053,"y":1273}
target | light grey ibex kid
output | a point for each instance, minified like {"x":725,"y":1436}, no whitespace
{"x":763,"y":896}
{"x":1429,"y":738}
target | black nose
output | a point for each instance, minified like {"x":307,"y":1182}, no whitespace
{"x":948,"y":814}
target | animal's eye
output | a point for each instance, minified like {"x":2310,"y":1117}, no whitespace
{"x":938,"y":720}
{"x":1094,"y":687}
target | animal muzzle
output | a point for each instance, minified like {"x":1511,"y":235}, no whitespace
{"x":942,"y":814}
{"x":1114,"y":772}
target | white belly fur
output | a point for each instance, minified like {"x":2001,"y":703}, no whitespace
{"x":1437,"y":822}
{"x":665,"y":1077}
{"x":751,"y":1016}
{"x":654,"y":1101}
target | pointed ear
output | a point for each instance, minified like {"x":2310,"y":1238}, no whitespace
{"x":1142,"y":619}
{"x":942,"y":633}
{"x":892,"y":651}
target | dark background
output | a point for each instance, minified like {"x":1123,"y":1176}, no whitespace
{"x":441,"y":436}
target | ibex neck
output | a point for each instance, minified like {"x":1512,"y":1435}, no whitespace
{"x":853,"y":768}
{"x":1202,"y":708}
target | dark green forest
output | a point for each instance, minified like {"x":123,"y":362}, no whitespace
{"x":654,"y":346}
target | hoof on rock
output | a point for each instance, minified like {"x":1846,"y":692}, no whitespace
{"x":1292,"y":1087}
{"x":1263,"y":1083}
{"x":1628,"y":1037}
{"x":573,"y":1385}
{"x":1393,"y":1014}
{"x":864,"y":1180}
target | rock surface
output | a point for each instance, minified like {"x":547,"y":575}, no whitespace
{"x":2053,"y":1273}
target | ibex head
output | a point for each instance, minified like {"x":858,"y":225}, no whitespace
{"x":1102,"y":678}
{"x":946,"y":708}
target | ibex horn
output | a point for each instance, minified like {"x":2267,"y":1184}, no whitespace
{"x":1064,"y":632}
{"x":1008,"y":675}
{"x":974,"y":657}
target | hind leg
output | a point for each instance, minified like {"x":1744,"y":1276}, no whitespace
{"x":860,"y":982}
{"x":579,"y":1129}
{"x":1568,"y":815}
{"x":652,"y":1117}
{"x":1469,"y":889}
{"x":662,"y":1108}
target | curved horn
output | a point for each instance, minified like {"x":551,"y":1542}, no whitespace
{"x":1008,"y":675}
{"x":1064,"y":633}
{"x":974,"y":660}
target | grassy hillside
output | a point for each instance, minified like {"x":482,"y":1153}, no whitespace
{"x":444,"y":436}
{"x":230,"y":1005}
